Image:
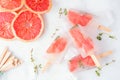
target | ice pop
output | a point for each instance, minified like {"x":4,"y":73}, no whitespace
{"x":57,"y":46}
{"x":84,"y":44}
{"x":77,"y":61}
{"x":79,"y":18}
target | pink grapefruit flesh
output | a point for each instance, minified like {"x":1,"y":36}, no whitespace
{"x":78,"y":61}
{"x":77,"y":36}
{"x":41,"y":6}
{"x":79,"y":18}
{"x":28,"y":26}
{"x":57,"y":46}
{"x":6,"y":19}
{"x":82,"y":42}
{"x":11,"y":5}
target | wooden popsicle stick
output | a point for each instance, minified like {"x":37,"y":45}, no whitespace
{"x":48,"y":63}
{"x":11,"y":66}
{"x":9,"y":63}
{"x":102,"y":55}
{"x":94,"y":58}
{"x":5,"y":58}
{"x":105,"y":54}
{"x":3,"y":54}
{"x":100,"y":27}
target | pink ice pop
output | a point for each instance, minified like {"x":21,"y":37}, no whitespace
{"x":84,"y":44}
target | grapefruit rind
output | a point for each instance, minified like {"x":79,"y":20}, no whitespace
{"x":10,"y":27}
{"x":40,"y":12}
{"x":15,"y":9}
{"x":41,"y":30}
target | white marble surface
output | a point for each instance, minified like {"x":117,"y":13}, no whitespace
{"x":106,"y":12}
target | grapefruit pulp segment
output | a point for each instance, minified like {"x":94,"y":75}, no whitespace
{"x":79,"y":18}
{"x":6,"y":19}
{"x":77,"y":36}
{"x":57,"y":46}
{"x":77,"y":61}
{"x":11,"y":5}
{"x":28,"y":26}
{"x":38,"y":6}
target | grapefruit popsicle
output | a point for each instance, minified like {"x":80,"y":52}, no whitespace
{"x":84,"y":44}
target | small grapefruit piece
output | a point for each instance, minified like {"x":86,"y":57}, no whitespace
{"x":57,"y":46}
{"x":79,"y":18}
{"x":11,"y":5}
{"x":6,"y":19}
{"x":38,"y":6}
{"x":28,"y":26}
{"x":78,"y":61}
{"x":74,"y":63}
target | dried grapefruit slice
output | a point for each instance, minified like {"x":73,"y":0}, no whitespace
{"x":6,"y":19}
{"x":58,"y":45}
{"x":40,"y":6}
{"x":11,"y":5}
{"x":79,"y":18}
{"x":28,"y":26}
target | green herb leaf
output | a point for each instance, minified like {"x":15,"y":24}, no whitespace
{"x":112,"y":37}
{"x":99,"y":38}
{"x":97,"y":73}
{"x":65,"y":11}
{"x":40,"y":65}
{"x":99,"y":68}
{"x":100,"y":34}
{"x":107,"y":64}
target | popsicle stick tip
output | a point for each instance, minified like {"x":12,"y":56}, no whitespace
{"x":103,"y":28}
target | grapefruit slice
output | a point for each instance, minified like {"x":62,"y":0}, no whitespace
{"x":38,"y":6}
{"x":77,"y":61}
{"x":79,"y":18}
{"x":6,"y":19}
{"x":28,"y":26}
{"x":11,"y":5}
{"x":57,"y":46}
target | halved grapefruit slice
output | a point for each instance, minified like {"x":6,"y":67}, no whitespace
{"x":77,"y":61}
{"x":6,"y":19}
{"x":28,"y":26}
{"x":11,"y":5}
{"x":57,"y":46}
{"x":38,"y":6}
{"x":79,"y":18}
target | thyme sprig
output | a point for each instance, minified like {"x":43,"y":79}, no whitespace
{"x":36,"y":67}
{"x":63,"y":11}
{"x":99,"y":36}
{"x":99,"y":69}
